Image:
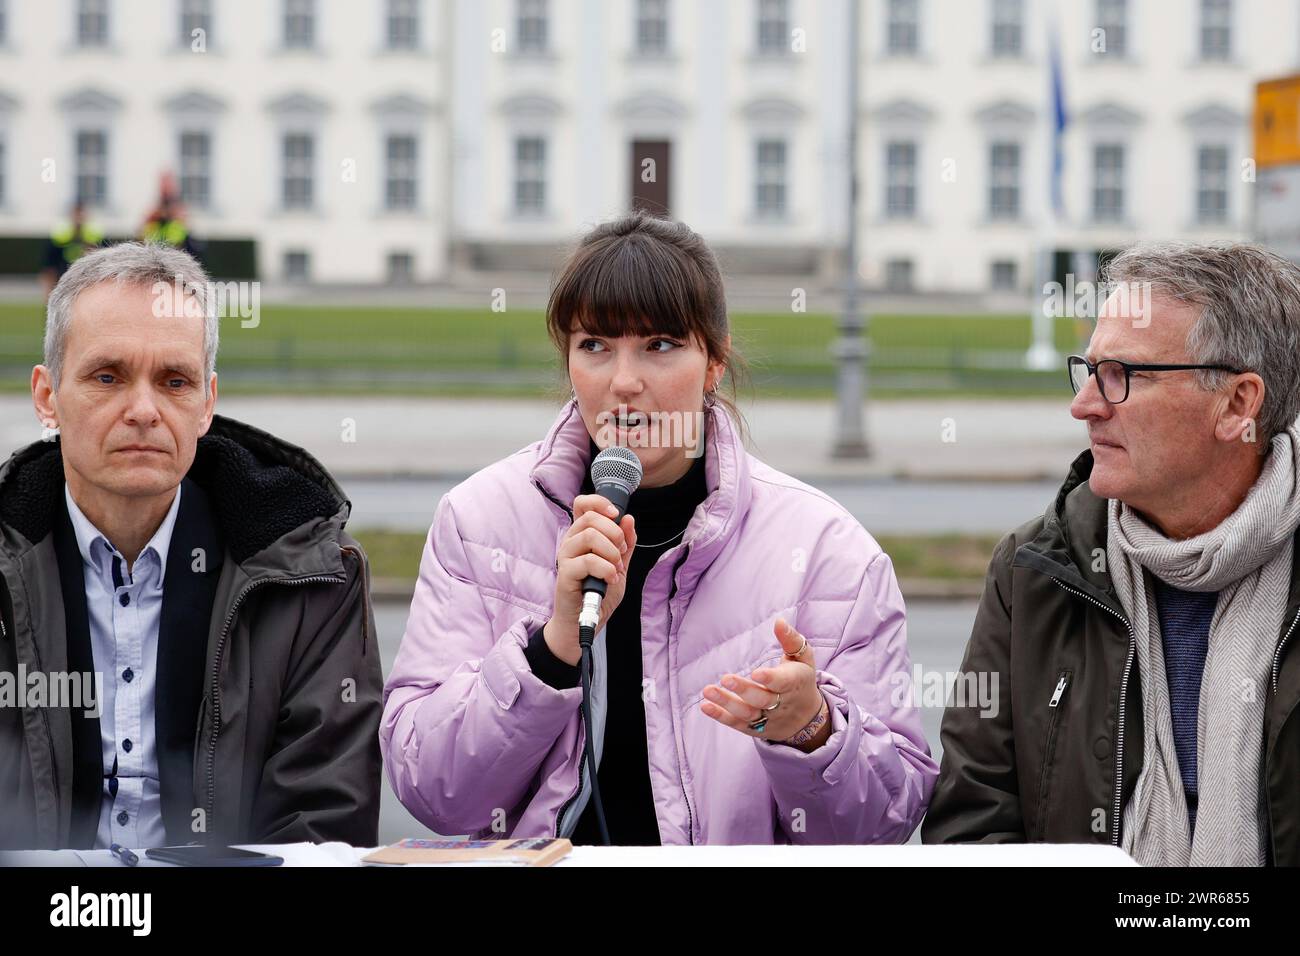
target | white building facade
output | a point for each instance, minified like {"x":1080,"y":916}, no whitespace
{"x":317,"y":128}
{"x":439,"y":141}
{"x":731,"y":116}
{"x":958,"y":117}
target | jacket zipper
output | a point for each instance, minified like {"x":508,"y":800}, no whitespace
{"x":1049,"y":751}
{"x":216,"y":670}
{"x":1277,"y":658}
{"x":365,"y":598}
{"x":681,"y":758}
{"x":1060,"y":689}
{"x":1277,"y":654}
{"x":1123,"y":702}
{"x":582,"y":771}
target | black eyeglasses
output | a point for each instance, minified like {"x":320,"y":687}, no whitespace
{"x":1113,"y":375}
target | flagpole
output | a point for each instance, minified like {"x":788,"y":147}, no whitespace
{"x":1042,"y":354}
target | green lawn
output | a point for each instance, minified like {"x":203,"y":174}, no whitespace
{"x":464,"y":351}
{"x":395,"y":555}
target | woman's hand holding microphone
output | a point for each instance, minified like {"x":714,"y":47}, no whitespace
{"x":594,"y":545}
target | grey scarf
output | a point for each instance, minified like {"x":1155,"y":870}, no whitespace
{"x":1247,"y":560}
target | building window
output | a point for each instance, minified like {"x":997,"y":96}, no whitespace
{"x":196,"y":169}
{"x":1216,"y":29}
{"x":1108,"y":182}
{"x":769,"y":178}
{"x":400,"y":174}
{"x":1008,"y":27}
{"x":92,"y":22}
{"x":900,"y":180}
{"x":401,"y":267}
{"x":297,"y":265}
{"x":531,"y":26}
{"x":652,"y":27}
{"x":773,"y":27}
{"x":898,"y":275}
{"x":1002,"y":275}
{"x":1112,"y":20}
{"x":92,"y":167}
{"x":1004,"y":181}
{"x":1212,"y":185}
{"x":403,"y":24}
{"x":195,"y":15}
{"x":902,"y":32}
{"x":299,"y":152}
{"x":530,"y":174}
{"x":299,"y":24}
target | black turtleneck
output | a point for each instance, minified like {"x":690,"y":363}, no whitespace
{"x":661,"y":516}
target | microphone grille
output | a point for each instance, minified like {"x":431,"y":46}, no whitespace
{"x":617,"y":464}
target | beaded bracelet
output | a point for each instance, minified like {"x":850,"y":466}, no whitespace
{"x":811,"y":728}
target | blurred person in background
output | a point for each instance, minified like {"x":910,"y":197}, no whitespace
{"x":68,"y":242}
{"x":167,"y":223}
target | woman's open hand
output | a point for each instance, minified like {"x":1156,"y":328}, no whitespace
{"x":785,"y":693}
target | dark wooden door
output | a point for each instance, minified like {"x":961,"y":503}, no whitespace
{"x":650,"y":175}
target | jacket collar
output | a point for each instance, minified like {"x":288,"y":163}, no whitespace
{"x":277,"y":509}
{"x":564,"y":457}
{"x":1074,"y":535}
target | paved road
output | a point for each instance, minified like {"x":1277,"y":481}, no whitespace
{"x":937,"y":634}
{"x":374,"y":437}
{"x":882,"y":505}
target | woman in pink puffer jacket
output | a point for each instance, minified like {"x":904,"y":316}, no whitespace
{"x":754,"y":686}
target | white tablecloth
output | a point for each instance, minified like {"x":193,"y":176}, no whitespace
{"x":340,"y":854}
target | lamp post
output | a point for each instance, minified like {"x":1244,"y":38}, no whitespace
{"x":851,"y":348}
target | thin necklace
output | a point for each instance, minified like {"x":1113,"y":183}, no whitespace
{"x":662,"y":543}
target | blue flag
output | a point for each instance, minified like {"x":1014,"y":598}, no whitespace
{"x":1059,"y":120}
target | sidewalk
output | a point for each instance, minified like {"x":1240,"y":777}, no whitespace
{"x":938,"y":439}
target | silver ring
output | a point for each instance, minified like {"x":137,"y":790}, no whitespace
{"x":767,"y":710}
{"x":758,"y":726}
{"x":802,"y":648}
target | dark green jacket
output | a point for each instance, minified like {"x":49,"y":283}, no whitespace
{"x":269,"y":687}
{"x":1063,"y":773}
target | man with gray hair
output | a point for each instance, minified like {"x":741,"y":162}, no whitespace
{"x":198,"y":567}
{"x":1143,"y":627}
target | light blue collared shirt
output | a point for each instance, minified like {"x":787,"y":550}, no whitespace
{"x":125,"y":610}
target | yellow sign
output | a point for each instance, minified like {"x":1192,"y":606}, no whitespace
{"x":1277,"y":122}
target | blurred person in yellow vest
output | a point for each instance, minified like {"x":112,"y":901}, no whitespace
{"x":167,"y":222}
{"x":68,"y":241}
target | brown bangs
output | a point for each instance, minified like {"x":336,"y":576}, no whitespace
{"x":635,"y":283}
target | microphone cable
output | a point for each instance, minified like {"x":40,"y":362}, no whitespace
{"x":587,"y":637}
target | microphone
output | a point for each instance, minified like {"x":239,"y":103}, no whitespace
{"x":615,"y":472}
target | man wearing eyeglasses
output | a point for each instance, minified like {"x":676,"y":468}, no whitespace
{"x":1143,"y":627}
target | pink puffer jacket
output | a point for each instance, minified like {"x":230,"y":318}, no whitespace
{"x":475,"y":743}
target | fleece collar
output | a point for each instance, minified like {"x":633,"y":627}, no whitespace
{"x":269,"y":498}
